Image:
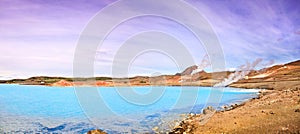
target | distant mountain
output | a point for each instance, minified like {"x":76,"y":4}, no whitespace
{"x":188,"y":71}
{"x":271,"y":77}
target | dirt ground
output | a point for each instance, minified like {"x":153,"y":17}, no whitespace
{"x":276,"y":111}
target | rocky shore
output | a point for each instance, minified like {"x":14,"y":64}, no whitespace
{"x":275,"y":111}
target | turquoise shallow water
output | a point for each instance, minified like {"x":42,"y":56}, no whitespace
{"x":57,"y":110}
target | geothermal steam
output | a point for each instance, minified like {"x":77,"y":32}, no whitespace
{"x":240,"y":73}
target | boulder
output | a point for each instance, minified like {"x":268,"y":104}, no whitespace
{"x":208,"y":110}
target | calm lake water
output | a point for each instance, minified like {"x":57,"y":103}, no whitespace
{"x":31,"y":109}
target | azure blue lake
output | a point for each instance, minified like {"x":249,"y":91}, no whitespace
{"x":32,"y":109}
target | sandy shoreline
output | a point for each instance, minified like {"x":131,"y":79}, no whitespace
{"x":276,"y":111}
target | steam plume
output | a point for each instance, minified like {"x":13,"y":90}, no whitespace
{"x":204,"y":63}
{"x":240,"y":73}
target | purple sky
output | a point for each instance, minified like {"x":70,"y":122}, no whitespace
{"x":39,"y":37}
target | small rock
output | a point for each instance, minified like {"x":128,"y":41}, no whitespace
{"x":177,"y":124}
{"x":187,"y":121}
{"x":188,"y":130}
{"x":178,"y":130}
{"x":284,"y":128}
{"x":155,"y":128}
{"x":178,"y":127}
{"x":297,"y":110}
{"x":271,"y":112}
{"x":98,"y":131}
{"x":182,"y":115}
{"x":207,"y":110}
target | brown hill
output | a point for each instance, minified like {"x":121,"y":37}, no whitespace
{"x":188,"y":71}
{"x":275,"y":76}
{"x":272,"y":77}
